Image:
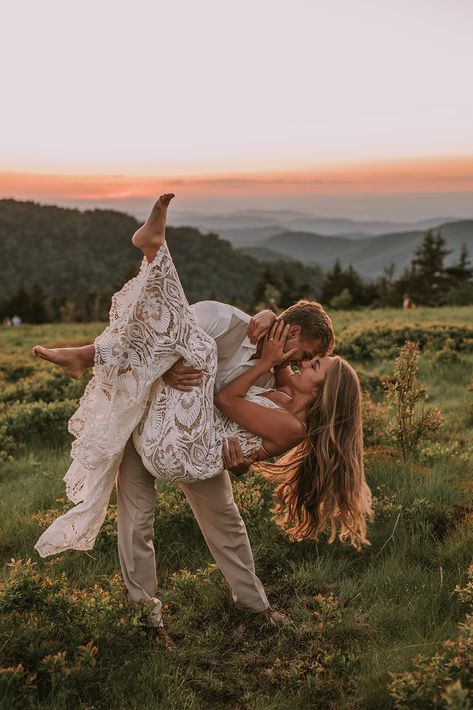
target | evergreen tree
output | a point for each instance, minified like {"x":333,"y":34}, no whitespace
{"x":333,"y":283}
{"x":461,"y":281}
{"x":387,"y":289}
{"x":350,"y":283}
{"x":38,"y":306}
{"x":427,"y":280}
{"x":462,"y":271}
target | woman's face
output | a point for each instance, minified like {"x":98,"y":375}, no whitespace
{"x":312,"y":374}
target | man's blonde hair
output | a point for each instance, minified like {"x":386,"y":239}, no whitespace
{"x":315,"y":323}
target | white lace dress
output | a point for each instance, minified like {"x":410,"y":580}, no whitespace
{"x":178,"y":435}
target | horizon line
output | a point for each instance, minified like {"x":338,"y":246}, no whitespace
{"x":390,"y":176}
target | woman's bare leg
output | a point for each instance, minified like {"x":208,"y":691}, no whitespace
{"x":151,"y":235}
{"x":74,"y":361}
{"x":148,"y":238}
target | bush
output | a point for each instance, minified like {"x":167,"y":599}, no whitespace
{"x":383,"y":341}
{"x":13,"y":369}
{"x":7,"y":444}
{"x":404,"y":396}
{"x":460,"y":295}
{"x":374,"y":421}
{"x":55,"y":640}
{"x":46,"y":421}
{"x":44,"y":385}
{"x":444,"y":680}
{"x":343,"y":301}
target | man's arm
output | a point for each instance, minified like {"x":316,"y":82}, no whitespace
{"x":215,"y":317}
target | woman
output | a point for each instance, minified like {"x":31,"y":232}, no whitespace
{"x":179,"y":435}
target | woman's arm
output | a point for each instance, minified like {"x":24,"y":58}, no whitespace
{"x":279,"y":428}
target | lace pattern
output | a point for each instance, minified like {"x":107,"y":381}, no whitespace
{"x":179,"y":435}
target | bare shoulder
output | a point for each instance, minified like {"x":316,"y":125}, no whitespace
{"x":278,"y":398}
{"x":288,"y":432}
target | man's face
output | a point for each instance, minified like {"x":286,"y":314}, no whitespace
{"x":306,"y":349}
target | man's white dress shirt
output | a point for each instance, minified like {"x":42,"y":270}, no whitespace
{"x":228,"y":326}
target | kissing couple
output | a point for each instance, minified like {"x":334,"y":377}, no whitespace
{"x":187,"y":393}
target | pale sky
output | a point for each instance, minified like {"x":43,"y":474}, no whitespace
{"x":185,"y":87}
{"x":331,"y":105}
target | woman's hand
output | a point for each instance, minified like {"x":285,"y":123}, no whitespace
{"x":273,"y":347}
{"x":260,"y":324}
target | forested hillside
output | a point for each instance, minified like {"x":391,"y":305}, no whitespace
{"x":75,"y":260}
{"x":371,"y":255}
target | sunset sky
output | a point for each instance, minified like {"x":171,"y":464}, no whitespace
{"x":345,"y":106}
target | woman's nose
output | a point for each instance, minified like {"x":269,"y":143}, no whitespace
{"x":304,"y":363}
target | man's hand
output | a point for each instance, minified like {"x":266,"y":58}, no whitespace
{"x":260,"y":324}
{"x":234,"y":459}
{"x":182,"y":378}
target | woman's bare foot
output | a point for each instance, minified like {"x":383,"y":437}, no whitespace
{"x":72,"y":360}
{"x":151,"y":235}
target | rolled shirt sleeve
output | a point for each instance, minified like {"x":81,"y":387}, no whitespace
{"x":216,"y":318}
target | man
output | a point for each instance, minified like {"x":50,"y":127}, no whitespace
{"x":239,"y":340}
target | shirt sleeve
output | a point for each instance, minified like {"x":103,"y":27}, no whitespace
{"x":215,"y":317}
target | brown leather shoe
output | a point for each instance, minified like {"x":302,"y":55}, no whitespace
{"x":276,"y":618}
{"x":161,"y":636}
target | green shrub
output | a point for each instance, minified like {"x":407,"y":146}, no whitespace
{"x":44,"y":385}
{"x":38,"y":421}
{"x":55,"y":640}
{"x":12,"y":369}
{"x":461,"y":295}
{"x":365,"y":344}
{"x":7,"y":443}
{"x":343,"y":301}
{"x":405,"y":396}
{"x":374,"y":421}
{"x":444,"y":680}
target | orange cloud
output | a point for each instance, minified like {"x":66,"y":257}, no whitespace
{"x":443,"y":175}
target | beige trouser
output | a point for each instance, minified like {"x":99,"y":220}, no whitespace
{"x":219,"y":520}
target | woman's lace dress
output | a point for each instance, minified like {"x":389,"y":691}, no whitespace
{"x":178,"y":435}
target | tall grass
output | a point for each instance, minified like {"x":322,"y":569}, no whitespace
{"x":356,"y":617}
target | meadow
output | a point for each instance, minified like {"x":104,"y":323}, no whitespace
{"x":387,"y":627}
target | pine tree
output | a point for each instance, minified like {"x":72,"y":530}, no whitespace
{"x":333,"y":283}
{"x":350,"y":283}
{"x":462,"y":271}
{"x":461,"y":281}
{"x":427,"y":279}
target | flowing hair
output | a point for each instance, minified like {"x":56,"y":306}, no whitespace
{"x":322,"y":481}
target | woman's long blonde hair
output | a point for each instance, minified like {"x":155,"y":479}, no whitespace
{"x":322,"y":480}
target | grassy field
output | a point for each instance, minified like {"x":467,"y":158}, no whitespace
{"x":68,"y":638}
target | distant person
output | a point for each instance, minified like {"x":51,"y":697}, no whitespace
{"x":6,"y":322}
{"x":16,"y":320}
{"x":406,"y":302}
{"x":132,"y":422}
